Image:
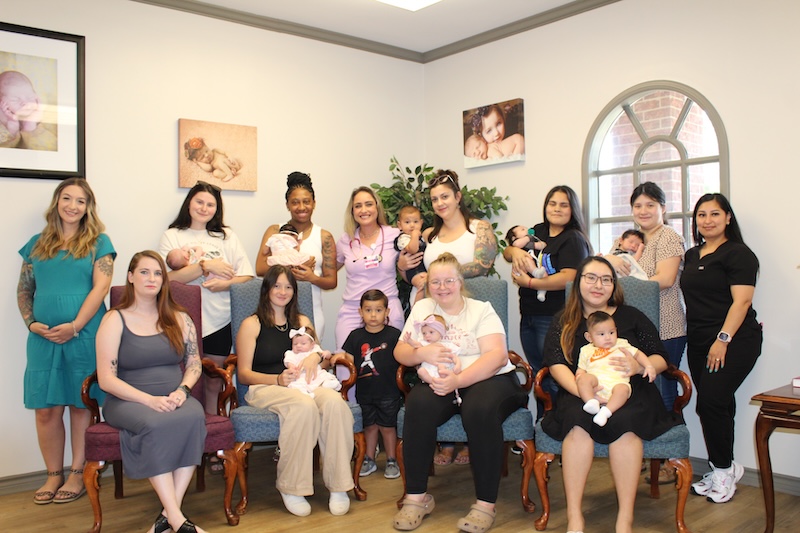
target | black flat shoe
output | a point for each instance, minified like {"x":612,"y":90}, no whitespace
{"x":187,"y":527}
{"x":161,"y":524}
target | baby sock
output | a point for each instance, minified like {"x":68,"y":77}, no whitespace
{"x":592,"y":406}
{"x":602,"y":417}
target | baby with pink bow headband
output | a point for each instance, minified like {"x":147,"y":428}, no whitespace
{"x":304,"y":343}
{"x":433,"y":330}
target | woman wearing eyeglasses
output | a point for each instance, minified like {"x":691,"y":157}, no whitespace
{"x":472,"y":243}
{"x":487,"y":384}
{"x":564,"y":234}
{"x":642,"y":417}
{"x":199,"y":223}
{"x":366,"y":251}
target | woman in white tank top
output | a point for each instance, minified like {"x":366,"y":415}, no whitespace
{"x":469,"y":239}
{"x":315,"y":241}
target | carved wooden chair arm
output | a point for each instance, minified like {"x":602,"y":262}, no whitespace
{"x":89,"y":402}
{"x":542,"y":395}
{"x":227,"y":395}
{"x":351,"y":379}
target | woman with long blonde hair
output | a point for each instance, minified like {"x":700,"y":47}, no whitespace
{"x":66,"y":273}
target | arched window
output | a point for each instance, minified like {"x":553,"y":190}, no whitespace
{"x":659,"y":131}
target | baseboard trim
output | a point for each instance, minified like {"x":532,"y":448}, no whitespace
{"x":31,"y":481}
{"x":781,"y":482}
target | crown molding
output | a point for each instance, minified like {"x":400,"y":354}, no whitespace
{"x":309,"y":32}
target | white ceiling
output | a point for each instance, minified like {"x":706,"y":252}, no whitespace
{"x":440,"y":29}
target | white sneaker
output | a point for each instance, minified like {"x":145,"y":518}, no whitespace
{"x":703,"y":487}
{"x":339,"y":503}
{"x":723,"y":483}
{"x":297,"y":505}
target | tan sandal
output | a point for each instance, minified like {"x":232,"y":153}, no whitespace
{"x":43,"y":497}
{"x":478,"y":520}
{"x":410,"y":516}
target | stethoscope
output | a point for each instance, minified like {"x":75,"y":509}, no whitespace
{"x":360,"y":247}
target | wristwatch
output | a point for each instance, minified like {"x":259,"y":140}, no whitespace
{"x":724,"y":337}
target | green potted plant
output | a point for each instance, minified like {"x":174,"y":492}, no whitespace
{"x":410,"y":187}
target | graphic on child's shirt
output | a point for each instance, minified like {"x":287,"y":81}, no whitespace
{"x":367,"y":365}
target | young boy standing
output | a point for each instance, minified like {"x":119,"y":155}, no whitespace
{"x":371,"y":349}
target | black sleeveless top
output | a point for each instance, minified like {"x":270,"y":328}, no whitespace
{"x":271,"y":344}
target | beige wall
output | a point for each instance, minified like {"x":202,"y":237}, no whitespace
{"x":340,"y":114}
{"x":737,"y":54}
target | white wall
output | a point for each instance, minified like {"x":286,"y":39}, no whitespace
{"x":337,"y":113}
{"x":738,"y":54}
{"x":340,"y":114}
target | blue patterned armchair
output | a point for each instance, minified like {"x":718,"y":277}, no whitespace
{"x":260,"y":425}
{"x":518,"y":427}
{"x":674,"y":444}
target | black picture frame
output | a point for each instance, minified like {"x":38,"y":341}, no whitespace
{"x":53,"y":63}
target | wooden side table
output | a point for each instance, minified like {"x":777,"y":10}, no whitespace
{"x":778,"y":409}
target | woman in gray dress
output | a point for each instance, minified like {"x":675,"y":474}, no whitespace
{"x":141,"y":344}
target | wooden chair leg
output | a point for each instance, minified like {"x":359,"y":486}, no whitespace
{"x":117,"y":467}
{"x":683,"y":481}
{"x":401,"y":464}
{"x":655,"y":466}
{"x":528,"y":458}
{"x":200,"y":473}
{"x":230,"y":463}
{"x":541,"y":463}
{"x":91,"y":480}
{"x":361,"y":451}
{"x":241,"y":450}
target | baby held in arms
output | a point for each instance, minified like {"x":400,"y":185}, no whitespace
{"x":304,"y":343}
{"x":284,"y":248}
{"x":433,"y":330}
{"x":630,"y":247}
{"x":177,"y":258}
{"x":594,"y":368}
{"x":522,"y":237}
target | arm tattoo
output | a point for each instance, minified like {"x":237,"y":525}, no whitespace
{"x":485,"y":251}
{"x":328,"y":253}
{"x":105,"y":265}
{"x":191,"y":356}
{"x":114,"y":367}
{"x":25,"y":291}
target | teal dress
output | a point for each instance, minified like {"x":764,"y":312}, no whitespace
{"x":55,"y":372}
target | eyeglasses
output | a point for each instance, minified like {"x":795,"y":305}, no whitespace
{"x":438,"y":180}
{"x":446,"y":283}
{"x":591,"y":279}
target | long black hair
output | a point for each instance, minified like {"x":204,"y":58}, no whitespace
{"x":184,"y":219}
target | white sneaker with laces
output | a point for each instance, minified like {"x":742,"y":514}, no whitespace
{"x":723,"y":483}
{"x":703,"y":487}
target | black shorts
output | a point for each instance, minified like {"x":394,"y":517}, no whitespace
{"x":382,"y":412}
{"x":218,"y":343}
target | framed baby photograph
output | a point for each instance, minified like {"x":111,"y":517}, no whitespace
{"x":224,"y":155}
{"x":494,"y":133}
{"x":42,"y":128}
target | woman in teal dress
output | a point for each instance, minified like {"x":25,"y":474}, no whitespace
{"x":66,"y":273}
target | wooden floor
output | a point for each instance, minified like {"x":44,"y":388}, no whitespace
{"x":452,"y":487}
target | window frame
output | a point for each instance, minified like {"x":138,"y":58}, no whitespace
{"x":602,"y":125}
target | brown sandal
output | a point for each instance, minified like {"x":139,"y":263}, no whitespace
{"x":410,"y":516}
{"x":478,"y":520}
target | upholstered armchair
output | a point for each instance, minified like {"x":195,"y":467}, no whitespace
{"x":674,"y":444}
{"x":517,"y":428}
{"x":252,"y":424}
{"x":102,"y":440}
